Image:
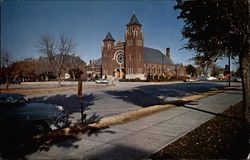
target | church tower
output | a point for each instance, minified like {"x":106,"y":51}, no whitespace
{"x":134,"y":49}
{"x":107,"y":54}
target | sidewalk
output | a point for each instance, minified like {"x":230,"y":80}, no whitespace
{"x":140,"y":138}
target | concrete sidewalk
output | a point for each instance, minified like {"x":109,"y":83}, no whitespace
{"x":140,"y":138}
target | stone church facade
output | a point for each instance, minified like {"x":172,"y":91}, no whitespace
{"x":132,"y":60}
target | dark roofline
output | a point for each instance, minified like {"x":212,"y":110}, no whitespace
{"x":152,"y":55}
{"x":109,"y":37}
{"x":134,"y":21}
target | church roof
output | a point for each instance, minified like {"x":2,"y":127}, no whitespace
{"x":155,"y":56}
{"x":98,"y":62}
{"x":109,"y":37}
{"x":133,"y":21}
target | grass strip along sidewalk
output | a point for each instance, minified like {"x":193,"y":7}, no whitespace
{"x":222,"y":137}
{"x":90,"y":127}
{"x":33,"y":91}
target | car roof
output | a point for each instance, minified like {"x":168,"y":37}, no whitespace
{"x":5,"y":95}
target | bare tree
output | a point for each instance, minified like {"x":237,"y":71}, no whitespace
{"x":56,"y":52}
{"x":6,"y":60}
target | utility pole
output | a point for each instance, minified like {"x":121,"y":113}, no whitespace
{"x":161,"y":63}
{"x":1,"y":3}
{"x":80,"y":96}
{"x":229,"y":77}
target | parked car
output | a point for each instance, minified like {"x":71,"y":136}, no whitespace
{"x":203,"y":78}
{"x":191,"y":79}
{"x":212,"y":78}
{"x":235,"y":79}
{"x":99,"y":81}
{"x":16,"y":82}
{"x":17,"y":113}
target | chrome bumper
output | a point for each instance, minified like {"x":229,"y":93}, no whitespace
{"x":62,"y":120}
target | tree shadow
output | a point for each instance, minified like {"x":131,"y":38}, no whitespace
{"x":213,"y":113}
{"x":114,"y":152}
{"x":71,"y":103}
{"x":18,"y":145}
{"x":145,"y":96}
{"x":181,"y":103}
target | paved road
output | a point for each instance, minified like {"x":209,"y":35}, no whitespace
{"x":140,"y":138}
{"x":99,"y":103}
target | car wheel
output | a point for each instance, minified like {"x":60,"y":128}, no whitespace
{"x":39,"y":128}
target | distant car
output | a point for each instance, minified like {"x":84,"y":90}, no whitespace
{"x":17,"y":113}
{"x":99,"y":81}
{"x":212,"y":78}
{"x":16,"y":82}
{"x":191,"y":79}
{"x":203,"y":78}
{"x":235,"y":79}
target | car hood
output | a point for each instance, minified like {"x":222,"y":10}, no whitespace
{"x":42,"y":108}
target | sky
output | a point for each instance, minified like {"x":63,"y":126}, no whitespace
{"x":24,"y":22}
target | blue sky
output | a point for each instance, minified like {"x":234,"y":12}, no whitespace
{"x":23,"y":22}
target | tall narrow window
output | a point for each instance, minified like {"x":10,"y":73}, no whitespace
{"x":139,"y":42}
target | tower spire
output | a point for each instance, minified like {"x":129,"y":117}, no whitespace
{"x":133,"y":11}
{"x":109,"y":37}
{"x":134,"y":21}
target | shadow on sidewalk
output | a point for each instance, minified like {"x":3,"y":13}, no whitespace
{"x":183,"y":104}
{"x":115,"y":152}
{"x":216,"y":114}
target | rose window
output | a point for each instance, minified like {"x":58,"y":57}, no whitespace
{"x":120,"y":58}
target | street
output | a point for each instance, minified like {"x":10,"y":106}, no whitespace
{"x":125,"y":97}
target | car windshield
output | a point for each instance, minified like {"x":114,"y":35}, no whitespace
{"x":12,"y":98}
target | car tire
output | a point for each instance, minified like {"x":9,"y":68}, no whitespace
{"x":39,"y":128}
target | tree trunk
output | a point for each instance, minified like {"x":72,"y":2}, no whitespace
{"x":46,"y":77}
{"x":244,"y":60}
{"x":59,"y":80}
{"x":7,"y":80}
{"x":73,"y":74}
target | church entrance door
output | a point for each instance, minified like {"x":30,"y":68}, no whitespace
{"x":119,"y":73}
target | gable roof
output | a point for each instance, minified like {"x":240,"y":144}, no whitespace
{"x":155,"y":56}
{"x":134,"y":21}
{"x":109,"y":37}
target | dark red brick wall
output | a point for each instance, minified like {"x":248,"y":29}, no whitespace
{"x":107,"y":54}
{"x":134,"y":53}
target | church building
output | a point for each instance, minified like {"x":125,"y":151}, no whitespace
{"x":132,"y":60}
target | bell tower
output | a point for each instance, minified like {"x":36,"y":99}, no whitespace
{"x":107,"y":54}
{"x":134,"y":49}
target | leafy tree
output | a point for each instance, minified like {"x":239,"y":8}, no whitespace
{"x":73,"y":63}
{"x":237,"y":73}
{"x":191,"y":70}
{"x":202,"y":64}
{"x":215,"y":70}
{"x":76,"y":73}
{"x":216,"y":29}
